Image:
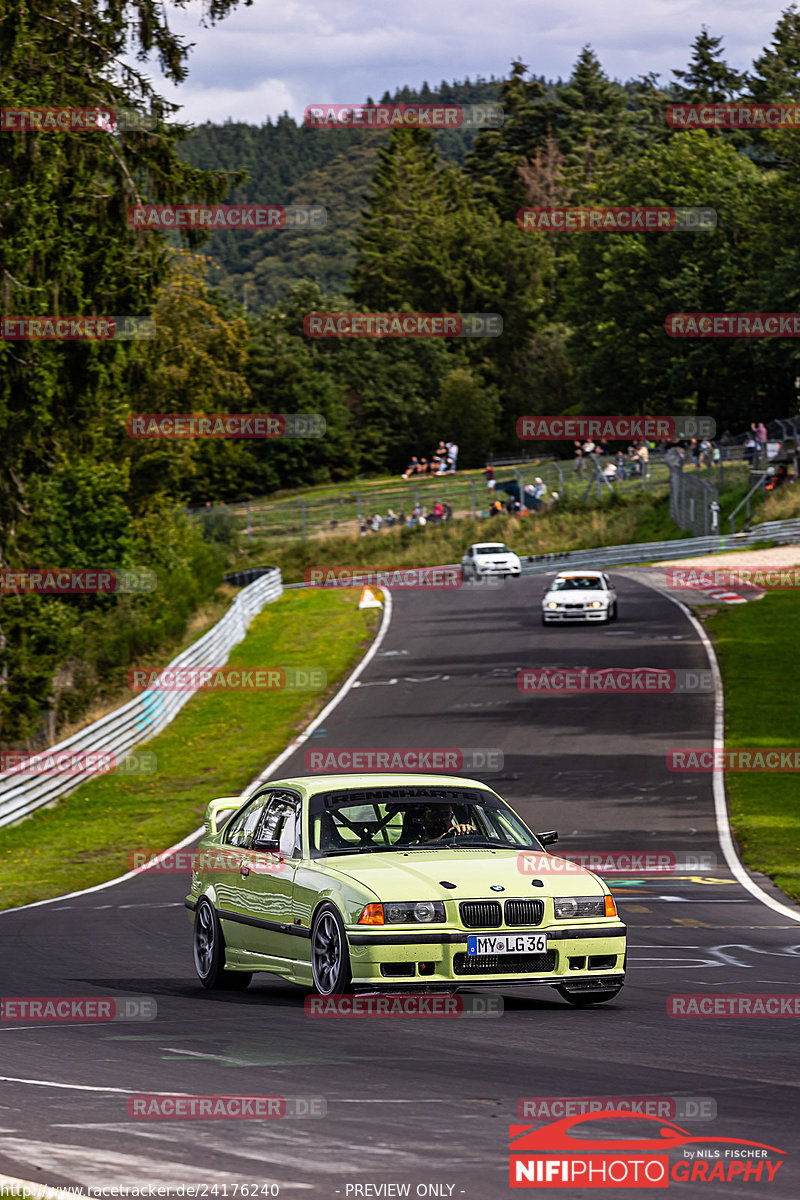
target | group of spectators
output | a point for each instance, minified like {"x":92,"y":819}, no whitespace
{"x":438,"y":512}
{"x":532,"y":499}
{"x":443,"y":459}
{"x":618,"y":465}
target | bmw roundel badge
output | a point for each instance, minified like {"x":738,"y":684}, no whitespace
{"x":497,"y":887}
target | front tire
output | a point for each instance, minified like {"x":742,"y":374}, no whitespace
{"x":330,"y":956}
{"x":585,"y":999}
{"x":209,"y":952}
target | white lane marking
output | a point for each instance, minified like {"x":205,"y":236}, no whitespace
{"x":336,"y":700}
{"x":276,"y":762}
{"x":85,"y":1087}
{"x":718,"y":778}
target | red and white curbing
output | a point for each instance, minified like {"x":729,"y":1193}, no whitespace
{"x":719,"y":593}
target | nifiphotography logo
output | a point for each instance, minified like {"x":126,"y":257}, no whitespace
{"x":572,"y":1152}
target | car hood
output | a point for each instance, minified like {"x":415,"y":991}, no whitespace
{"x":418,"y":875}
{"x":577,"y":594}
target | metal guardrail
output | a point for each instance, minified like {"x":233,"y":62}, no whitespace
{"x":639,"y":552}
{"x":140,"y":719}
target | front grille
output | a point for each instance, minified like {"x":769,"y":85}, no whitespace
{"x":524,"y":912}
{"x":504,"y":964}
{"x":480,"y":914}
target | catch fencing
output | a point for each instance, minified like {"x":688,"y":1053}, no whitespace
{"x":693,"y":503}
{"x":140,"y":719}
{"x":350,"y":512}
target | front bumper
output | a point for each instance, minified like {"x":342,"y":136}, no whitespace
{"x":575,"y":614}
{"x":409,"y":958}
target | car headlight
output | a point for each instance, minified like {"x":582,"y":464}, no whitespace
{"x":580,"y":906}
{"x":597,"y":604}
{"x":551,"y":604}
{"x":407,"y":912}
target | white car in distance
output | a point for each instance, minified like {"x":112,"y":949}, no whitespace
{"x":580,"y":596}
{"x":485,"y":559}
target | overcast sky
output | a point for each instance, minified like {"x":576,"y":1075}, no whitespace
{"x":281,"y":56}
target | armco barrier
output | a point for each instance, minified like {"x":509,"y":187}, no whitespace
{"x":646,"y":552}
{"x":143,"y":717}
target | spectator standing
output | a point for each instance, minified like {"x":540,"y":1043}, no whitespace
{"x":490,"y":480}
{"x":579,"y":466}
{"x":452,"y":456}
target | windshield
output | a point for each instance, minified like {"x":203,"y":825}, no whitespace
{"x":493,"y":548}
{"x":414,"y":821}
{"x":578,"y":583}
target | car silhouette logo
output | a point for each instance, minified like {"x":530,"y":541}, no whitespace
{"x":497,"y":887}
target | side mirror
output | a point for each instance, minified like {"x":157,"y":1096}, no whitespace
{"x":218,"y":810}
{"x":266,"y":844}
{"x":547,"y":839}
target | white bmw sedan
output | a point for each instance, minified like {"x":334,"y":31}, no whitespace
{"x":489,"y":558}
{"x":580,"y":596}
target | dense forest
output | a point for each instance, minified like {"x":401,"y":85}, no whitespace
{"x":417,"y":221}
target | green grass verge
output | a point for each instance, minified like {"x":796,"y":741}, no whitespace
{"x":214,"y":747}
{"x":757,"y":648}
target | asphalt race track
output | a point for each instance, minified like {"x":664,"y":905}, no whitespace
{"x":428,"y":1102}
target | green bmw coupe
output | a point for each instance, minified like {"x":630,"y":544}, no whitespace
{"x":380,"y":882}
